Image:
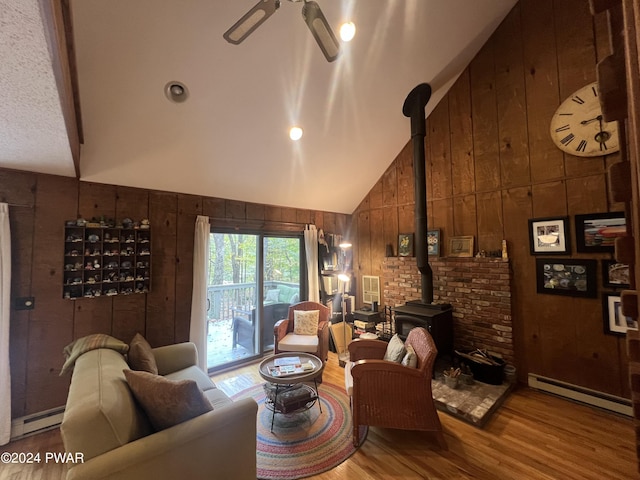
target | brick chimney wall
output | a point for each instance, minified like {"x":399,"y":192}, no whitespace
{"x":478,"y":289}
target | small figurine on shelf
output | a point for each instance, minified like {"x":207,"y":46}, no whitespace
{"x":144,"y":223}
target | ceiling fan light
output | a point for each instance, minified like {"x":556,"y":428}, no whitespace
{"x":295,"y":133}
{"x":347,"y":31}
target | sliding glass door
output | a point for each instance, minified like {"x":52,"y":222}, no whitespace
{"x":253,"y":278}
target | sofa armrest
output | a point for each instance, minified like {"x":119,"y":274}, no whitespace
{"x":172,"y":358}
{"x":217,"y":444}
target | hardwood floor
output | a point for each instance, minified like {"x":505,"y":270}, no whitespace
{"x":532,"y":436}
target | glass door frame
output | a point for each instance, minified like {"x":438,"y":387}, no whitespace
{"x":261,"y":236}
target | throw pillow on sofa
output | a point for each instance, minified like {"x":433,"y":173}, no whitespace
{"x":141,"y":356}
{"x":167,"y":402}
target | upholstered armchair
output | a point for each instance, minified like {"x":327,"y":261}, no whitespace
{"x":288,"y":341}
{"x":388,"y":394}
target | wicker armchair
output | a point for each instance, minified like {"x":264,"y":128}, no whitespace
{"x":284,"y":327}
{"x":388,"y":394}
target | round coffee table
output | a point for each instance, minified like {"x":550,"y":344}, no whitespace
{"x":291,"y":393}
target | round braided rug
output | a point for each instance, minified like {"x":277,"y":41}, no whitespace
{"x":305,"y":443}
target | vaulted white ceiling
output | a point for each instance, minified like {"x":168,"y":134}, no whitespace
{"x":230,"y":138}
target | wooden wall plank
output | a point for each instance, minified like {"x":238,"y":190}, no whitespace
{"x":18,"y":190}
{"x":389,"y":187}
{"x":215,"y":208}
{"x":461,"y":131}
{"x":517,"y":208}
{"x":376,"y":222}
{"x":541,"y":82}
{"x":465,"y":216}
{"x":51,"y":325}
{"x":160,"y":325}
{"x":364,"y":244}
{"x":490,"y":221}
{"x":511,"y":102}
{"x":390,"y":229}
{"x":577,"y":66}
{"x":485,"y":119}
{"x":443,"y":219}
{"x":189,"y":207}
{"x":587,"y":194}
{"x":440,"y":152}
{"x":549,"y":199}
{"x":375,"y":195}
{"x":404,"y":177}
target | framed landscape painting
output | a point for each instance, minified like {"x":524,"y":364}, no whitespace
{"x":461,"y":246}
{"x":549,"y":236}
{"x":563,"y":276}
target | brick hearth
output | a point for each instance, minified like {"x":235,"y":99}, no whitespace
{"x":478,"y":289}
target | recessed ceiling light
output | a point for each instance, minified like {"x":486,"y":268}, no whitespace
{"x":176,"y":92}
{"x":347,"y":31}
{"x":295,"y":133}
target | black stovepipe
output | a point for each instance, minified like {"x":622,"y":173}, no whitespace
{"x":413,"y":108}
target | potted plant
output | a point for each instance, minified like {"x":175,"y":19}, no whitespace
{"x":452,"y":377}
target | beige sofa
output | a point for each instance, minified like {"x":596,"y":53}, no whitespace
{"x":103,"y":422}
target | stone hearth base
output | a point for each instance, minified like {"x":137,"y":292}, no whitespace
{"x":472,"y":403}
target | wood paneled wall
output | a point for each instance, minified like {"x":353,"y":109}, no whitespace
{"x":491,"y":166}
{"x":39,"y":206}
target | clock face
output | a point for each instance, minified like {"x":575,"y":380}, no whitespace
{"x":578,"y":127}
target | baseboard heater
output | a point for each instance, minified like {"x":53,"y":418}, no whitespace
{"x":581,"y":394}
{"x":36,"y":423}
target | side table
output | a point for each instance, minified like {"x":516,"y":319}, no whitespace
{"x":291,"y":393}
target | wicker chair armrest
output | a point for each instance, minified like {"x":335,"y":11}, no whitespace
{"x":280,"y":329}
{"x":361,"y":349}
{"x":374,"y":367}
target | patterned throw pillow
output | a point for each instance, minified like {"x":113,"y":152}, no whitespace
{"x":167,"y":402}
{"x":395,"y":350}
{"x":410,"y":359}
{"x":141,"y":356}
{"x":305,"y":322}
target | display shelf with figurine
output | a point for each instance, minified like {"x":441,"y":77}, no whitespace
{"x":105,"y":259}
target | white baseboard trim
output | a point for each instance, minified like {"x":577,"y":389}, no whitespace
{"x":581,"y":394}
{"x":35,"y":423}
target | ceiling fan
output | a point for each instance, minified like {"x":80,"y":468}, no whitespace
{"x":311,"y":13}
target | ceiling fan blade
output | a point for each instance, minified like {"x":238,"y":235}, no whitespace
{"x":251,"y":20}
{"x":321,"y":30}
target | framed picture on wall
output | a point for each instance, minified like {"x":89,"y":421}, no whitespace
{"x":615,"y":323}
{"x":549,"y":236}
{"x":615,"y":274}
{"x":405,"y":245}
{"x":564,"y":276}
{"x":433,"y":242}
{"x":597,"y":232}
{"x":461,"y":246}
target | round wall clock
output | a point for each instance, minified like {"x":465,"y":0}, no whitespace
{"x":578,"y":127}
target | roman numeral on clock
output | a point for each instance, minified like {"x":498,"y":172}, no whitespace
{"x":578,"y":100}
{"x":562,"y":128}
{"x":568,"y":139}
{"x":581,"y":146}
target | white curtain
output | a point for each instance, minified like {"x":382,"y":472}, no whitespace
{"x":198,"y":329}
{"x":311,"y":248}
{"x":5,"y":291}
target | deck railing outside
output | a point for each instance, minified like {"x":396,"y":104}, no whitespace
{"x":221,"y":299}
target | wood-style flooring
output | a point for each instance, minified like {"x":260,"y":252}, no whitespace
{"x":532,"y":436}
